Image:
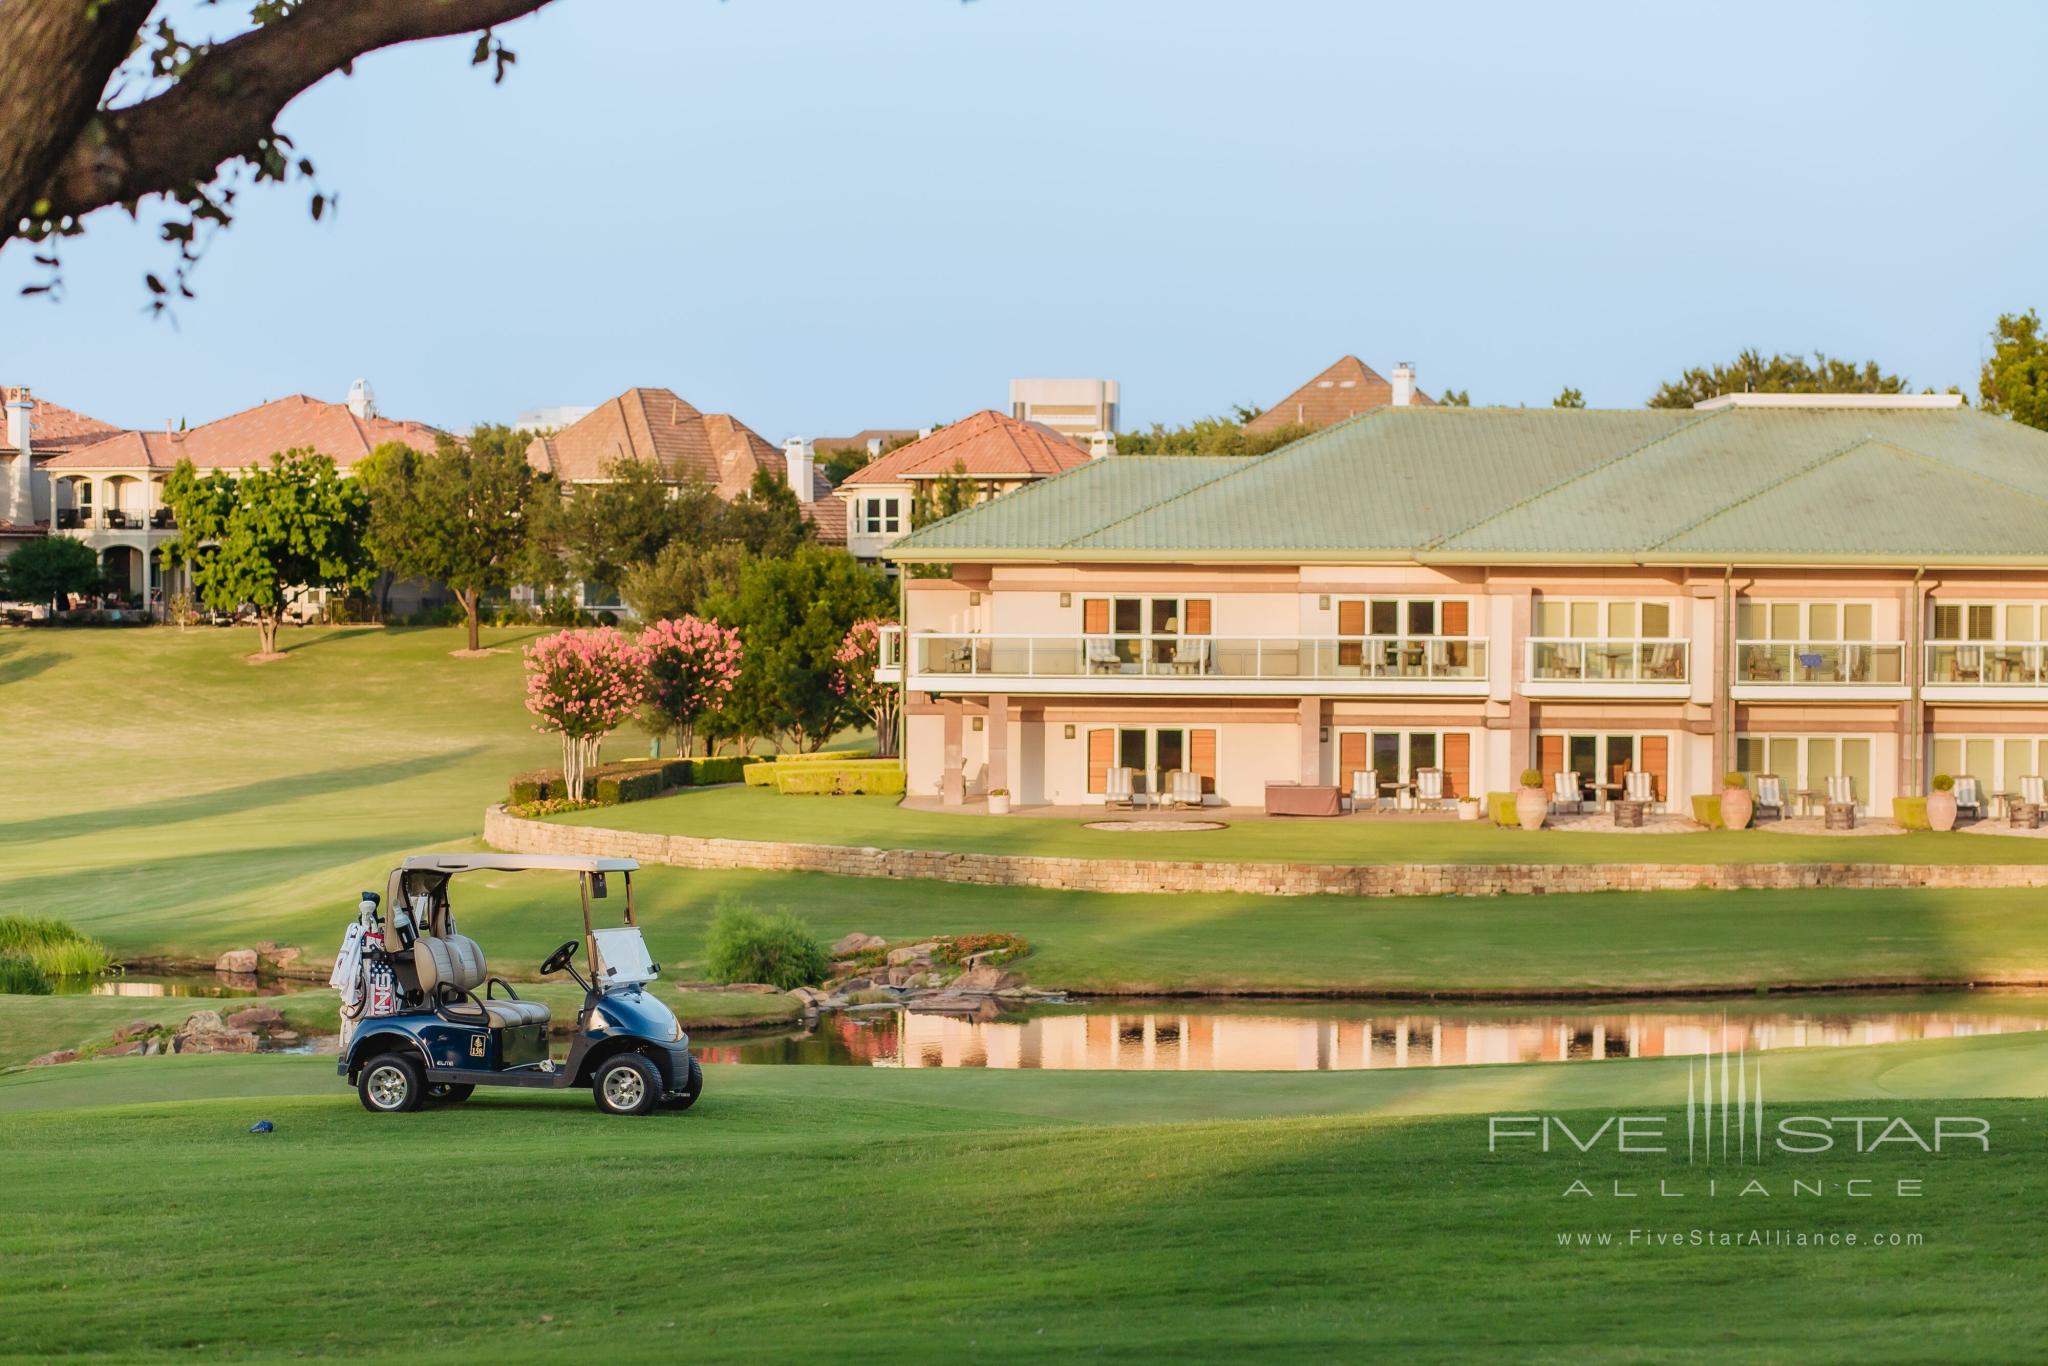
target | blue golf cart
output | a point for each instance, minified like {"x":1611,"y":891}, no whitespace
{"x":422,"y":1032}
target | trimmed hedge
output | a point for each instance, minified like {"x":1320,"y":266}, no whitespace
{"x":769,"y":771}
{"x":628,"y":780}
{"x":816,"y":780}
{"x":827,"y":756}
{"x":1911,"y":813}
{"x":1707,"y":811}
{"x":1501,"y":807}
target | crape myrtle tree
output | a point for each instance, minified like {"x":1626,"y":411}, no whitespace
{"x":855,"y":681}
{"x":46,"y":569}
{"x":270,"y":535}
{"x":793,"y":615}
{"x":463,"y":515}
{"x":583,"y":685}
{"x":692,"y":666}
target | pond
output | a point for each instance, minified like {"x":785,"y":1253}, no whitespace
{"x":1310,"y":1036}
{"x":213,"y":984}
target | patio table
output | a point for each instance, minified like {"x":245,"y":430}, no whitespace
{"x":1396,"y":792}
{"x":1806,"y":797}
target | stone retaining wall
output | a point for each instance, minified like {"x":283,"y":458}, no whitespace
{"x":514,"y":835}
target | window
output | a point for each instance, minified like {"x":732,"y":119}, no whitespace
{"x":1403,"y":618}
{"x":1984,"y":621}
{"x":1789,"y":641}
{"x":1395,"y":756}
{"x":1602,"y":619}
{"x":881,"y":516}
{"x":1997,"y":762}
{"x":1614,"y":640}
{"x":1603,"y":762}
{"x":1151,"y":753}
{"x":1148,"y":635}
{"x":1804,"y":763}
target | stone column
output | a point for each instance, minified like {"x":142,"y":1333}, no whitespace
{"x":998,"y":744}
{"x":1311,"y":740}
{"x":952,"y":783}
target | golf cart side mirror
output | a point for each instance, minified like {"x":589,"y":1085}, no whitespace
{"x":597,"y":886}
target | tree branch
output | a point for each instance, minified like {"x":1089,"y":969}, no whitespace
{"x":59,"y":57}
{"x":227,"y":101}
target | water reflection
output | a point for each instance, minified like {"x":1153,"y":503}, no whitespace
{"x":203,"y":984}
{"x":1178,"y":1036}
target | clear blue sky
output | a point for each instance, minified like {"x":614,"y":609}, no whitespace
{"x":821,"y":215}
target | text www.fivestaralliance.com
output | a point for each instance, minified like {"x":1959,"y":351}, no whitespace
{"x":1654,"y":1240}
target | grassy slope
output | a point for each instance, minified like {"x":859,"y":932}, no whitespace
{"x":755,"y":813}
{"x":1013,"y":1215}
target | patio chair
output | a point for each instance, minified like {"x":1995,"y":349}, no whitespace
{"x":1969,"y":797}
{"x":2031,"y":791}
{"x":1429,"y":789}
{"x":1190,"y":656}
{"x":1102,"y":657}
{"x":1184,"y":787}
{"x":1770,"y":795}
{"x":1639,"y":785}
{"x":1661,"y":661}
{"x":1761,"y":666}
{"x":1969,"y":665}
{"x":1565,"y":792}
{"x":1841,"y":788}
{"x":1121,"y":790}
{"x":1365,"y":790}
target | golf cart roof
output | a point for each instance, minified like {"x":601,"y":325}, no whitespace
{"x":516,"y":863}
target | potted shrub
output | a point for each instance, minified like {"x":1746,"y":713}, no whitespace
{"x":1941,"y":803}
{"x":1737,"y":806}
{"x":999,"y":801}
{"x":1469,"y":808}
{"x":1532,"y":807}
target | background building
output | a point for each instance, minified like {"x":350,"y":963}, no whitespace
{"x":1346,"y":389}
{"x":1071,"y":407}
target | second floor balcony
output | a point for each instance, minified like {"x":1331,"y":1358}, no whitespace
{"x":1560,"y":666}
{"x":1985,"y":671}
{"x":1168,"y":664}
{"x":115,"y":519}
{"x":1807,"y":665}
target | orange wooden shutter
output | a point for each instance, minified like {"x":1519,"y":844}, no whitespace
{"x":1198,"y":617}
{"x":1202,"y":750}
{"x":1457,"y":763}
{"x":1101,"y":745}
{"x":1550,"y":756}
{"x":1095,"y":616}
{"x":1457,"y":619}
{"x":1351,"y":756}
{"x":1350,"y":617}
{"x":1657,"y":762}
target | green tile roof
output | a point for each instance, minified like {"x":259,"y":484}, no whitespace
{"x":1474,"y":485}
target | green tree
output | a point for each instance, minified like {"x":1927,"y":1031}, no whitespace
{"x":462,"y":516}
{"x":604,"y":529}
{"x":269,"y":535}
{"x":1568,"y":397}
{"x":793,"y":614}
{"x":837,"y":462}
{"x":47,"y":568}
{"x":942,"y":497}
{"x":767,"y":519}
{"x":1454,"y":398}
{"x":683,"y":579}
{"x":2014,"y":382}
{"x":1752,"y":372}
{"x":1211,"y":436}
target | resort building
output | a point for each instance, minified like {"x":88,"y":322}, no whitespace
{"x":1830,"y":589}
{"x":1072,"y":407}
{"x":995,"y":454}
{"x":109,"y":492}
{"x":1349,"y":387}
{"x":36,"y":431}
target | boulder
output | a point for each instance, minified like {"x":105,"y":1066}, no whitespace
{"x":899,"y":976}
{"x":51,"y":1059}
{"x":122,"y":1050}
{"x":278,"y":955}
{"x":256,"y":1017}
{"x":913,"y":953}
{"x":152,"y":1048}
{"x":986,"y":980}
{"x":236,"y":960}
{"x":850,"y":944}
{"x":853,"y":984}
{"x":134,"y":1029}
{"x":754,"y":988}
{"x":201,"y":1022}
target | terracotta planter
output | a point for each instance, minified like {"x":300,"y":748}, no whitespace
{"x":1737,"y":806}
{"x":1941,"y":810}
{"x":1532,"y":807}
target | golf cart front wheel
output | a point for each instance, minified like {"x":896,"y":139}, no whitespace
{"x":693,"y":1087}
{"x":626,"y":1085}
{"x":450,"y":1092}
{"x":391,"y":1084}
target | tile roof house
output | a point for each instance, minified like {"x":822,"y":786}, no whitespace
{"x":1844,"y":593}
{"x":997,"y":452}
{"x":36,"y":429}
{"x":658,"y":427}
{"x":1349,"y":387}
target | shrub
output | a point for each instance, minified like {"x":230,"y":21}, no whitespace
{"x":999,"y":946}
{"x":732,"y":768}
{"x":1911,"y":813}
{"x":19,"y":976}
{"x":1729,"y":780}
{"x":612,"y":788}
{"x":1944,"y":783}
{"x":1532,"y":777}
{"x":777,"y":947}
{"x":814,"y":780}
{"x":1707,"y":811}
{"x":53,"y":946}
{"x":542,"y":786}
{"x":1501,"y":807}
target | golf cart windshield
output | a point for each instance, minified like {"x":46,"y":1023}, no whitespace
{"x":622,"y":957}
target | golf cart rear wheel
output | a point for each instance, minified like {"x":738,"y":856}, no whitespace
{"x":693,"y":1087}
{"x":626,"y":1085}
{"x":450,"y":1092}
{"x":391,"y":1084}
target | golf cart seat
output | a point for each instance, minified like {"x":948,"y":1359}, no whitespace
{"x":451,"y":968}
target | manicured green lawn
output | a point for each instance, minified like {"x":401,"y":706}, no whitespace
{"x":755,"y":813}
{"x":857,"y":1212}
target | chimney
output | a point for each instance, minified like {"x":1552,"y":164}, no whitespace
{"x":362,"y":400}
{"x":1404,"y":384}
{"x":20,"y":505}
{"x":1100,"y":445}
{"x":796,"y":452}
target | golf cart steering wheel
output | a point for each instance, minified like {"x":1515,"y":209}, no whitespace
{"x":559,"y":959}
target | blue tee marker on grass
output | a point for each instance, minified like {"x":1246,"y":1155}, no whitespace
{"x":261,"y":1126}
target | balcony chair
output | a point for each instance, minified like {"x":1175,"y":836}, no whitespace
{"x":1121,"y":790}
{"x":1190,"y":656}
{"x":1969,"y":797}
{"x":1761,"y":666}
{"x":1102,"y":657}
{"x":1565,"y":792}
{"x":1183,"y":788}
{"x":1639,"y":785}
{"x":1429,"y":789}
{"x":1969,"y":665}
{"x":1662,"y":662}
{"x":1770,"y":795}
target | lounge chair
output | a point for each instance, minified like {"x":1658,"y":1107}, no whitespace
{"x":1565,"y":792}
{"x":1183,"y":787}
{"x":1770,"y":795}
{"x":1639,"y":785}
{"x":1841,"y":788}
{"x":1760,"y":665}
{"x":1190,"y":656}
{"x":2031,"y":791}
{"x":1662,"y":662}
{"x":1429,"y":789}
{"x":1969,"y":797}
{"x":1121,"y":790}
{"x":1365,"y":790}
{"x":1102,"y":656}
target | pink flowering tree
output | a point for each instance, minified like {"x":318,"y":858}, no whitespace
{"x":692,"y":665}
{"x":855,"y":681}
{"x":582,"y":685}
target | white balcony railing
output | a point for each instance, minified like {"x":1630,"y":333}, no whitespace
{"x":1820,"y":663}
{"x":1561,"y":659}
{"x":1178,"y":656}
{"x":1986,"y":665}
